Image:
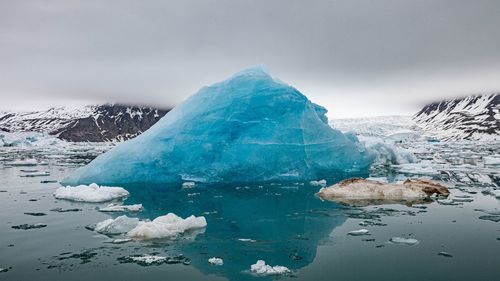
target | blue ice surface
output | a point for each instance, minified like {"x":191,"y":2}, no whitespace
{"x":248,"y":128}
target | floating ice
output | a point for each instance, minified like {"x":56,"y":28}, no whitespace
{"x":188,"y":184}
{"x":362,"y":191}
{"x":121,"y":208}
{"x":24,"y":162}
{"x":215,"y":261}
{"x":261,"y":268}
{"x":167,"y":226}
{"x":92,"y":193}
{"x":121,"y":224}
{"x":249,"y":128}
{"x":359,"y":232}
{"x":318,"y":183}
{"x":29,"y":226}
{"x":386,"y":152}
{"x":404,"y":241}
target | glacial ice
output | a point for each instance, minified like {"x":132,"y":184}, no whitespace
{"x":261,"y":268}
{"x":92,"y":193}
{"x":359,"y":232}
{"x":249,"y":128}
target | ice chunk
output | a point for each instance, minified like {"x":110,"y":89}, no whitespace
{"x":318,"y":183}
{"x":90,"y":193}
{"x":356,"y":191}
{"x":359,"y":232}
{"x":215,"y":261}
{"x":167,"y":226}
{"x":492,"y":160}
{"x":188,"y":184}
{"x":261,"y":268}
{"x":404,"y":241}
{"x":249,"y":128}
{"x":121,"y":208}
{"x":121,"y":224}
{"x":386,"y":152}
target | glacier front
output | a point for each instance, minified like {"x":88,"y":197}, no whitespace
{"x":248,"y":128}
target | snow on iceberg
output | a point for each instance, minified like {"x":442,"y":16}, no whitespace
{"x":92,"y":193}
{"x":249,"y":128}
{"x":261,"y":268}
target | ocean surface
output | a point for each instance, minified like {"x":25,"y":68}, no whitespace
{"x":281,"y":223}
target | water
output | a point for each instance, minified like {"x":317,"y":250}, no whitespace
{"x":286,"y":223}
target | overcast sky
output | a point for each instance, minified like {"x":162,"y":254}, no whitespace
{"x":356,"y":58}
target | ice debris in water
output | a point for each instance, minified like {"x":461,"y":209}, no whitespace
{"x":359,"y":232}
{"x":492,"y":160}
{"x":24,"y":162}
{"x":261,"y":268}
{"x":166,"y":226}
{"x":318,"y":183}
{"x":121,"y":208}
{"x":92,"y":193}
{"x":221,"y":133}
{"x":188,"y":184}
{"x":215,"y":261}
{"x":404,"y":241}
{"x":29,"y":226}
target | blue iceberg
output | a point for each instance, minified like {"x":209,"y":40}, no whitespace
{"x":249,"y":128}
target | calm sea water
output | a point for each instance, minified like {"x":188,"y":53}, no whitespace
{"x":286,"y":223}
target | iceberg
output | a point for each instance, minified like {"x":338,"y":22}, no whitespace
{"x":167,"y":226}
{"x":249,"y":128}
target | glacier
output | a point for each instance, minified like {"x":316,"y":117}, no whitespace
{"x":248,"y":128}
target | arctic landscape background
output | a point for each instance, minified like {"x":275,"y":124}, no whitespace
{"x":356,"y":58}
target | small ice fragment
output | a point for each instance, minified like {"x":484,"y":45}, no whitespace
{"x":167,"y":226}
{"x":38,"y":174}
{"x":121,"y":240}
{"x":247,"y":240}
{"x":445,"y":254}
{"x":359,"y":232}
{"x":92,"y":193}
{"x":188,"y":184}
{"x":215,"y":261}
{"x":121,"y":208}
{"x":36,"y":214}
{"x":404,"y":241}
{"x":448,"y":201}
{"x":261,"y":268}
{"x":492,"y":160}
{"x":61,"y":210}
{"x":318,"y":183}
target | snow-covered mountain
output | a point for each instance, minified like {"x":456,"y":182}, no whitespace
{"x":473,"y":117}
{"x":93,"y":123}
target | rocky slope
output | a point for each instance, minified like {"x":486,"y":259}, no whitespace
{"x":93,"y":123}
{"x":473,"y":117}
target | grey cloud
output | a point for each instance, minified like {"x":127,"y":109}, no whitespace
{"x":355,"y":57}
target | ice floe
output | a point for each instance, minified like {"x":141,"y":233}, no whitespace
{"x":361,"y":191}
{"x":404,"y":241}
{"x":166,"y":226}
{"x":29,"y":226}
{"x":188,"y":184}
{"x":121,"y":208}
{"x":92,"y":193}
{"x":216,"y":261}
{"x":261,"y":268}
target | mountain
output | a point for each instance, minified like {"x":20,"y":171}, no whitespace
{"x":473,"y":117}
{"x":92,"y":123}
